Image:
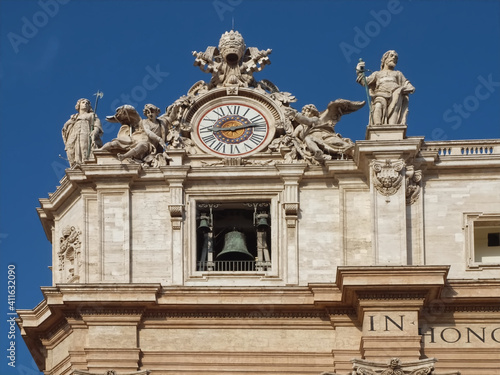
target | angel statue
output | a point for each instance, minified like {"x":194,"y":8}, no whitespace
{"x":139,"y":139}
{"x":316,"y":130}
{"x":232,"y":64}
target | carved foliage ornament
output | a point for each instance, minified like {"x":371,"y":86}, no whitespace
{"x":387,"y":176}
{"x":69,"y":254}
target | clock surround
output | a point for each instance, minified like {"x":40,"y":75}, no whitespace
{"x":233,"y":125}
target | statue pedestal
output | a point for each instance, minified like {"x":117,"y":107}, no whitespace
{"x":385,"y":132}
{"x":177,"y":156}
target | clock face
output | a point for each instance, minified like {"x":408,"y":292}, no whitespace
{"x":233,"y":129}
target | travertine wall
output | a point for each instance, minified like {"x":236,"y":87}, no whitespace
{"x":446,"y":199}
{"x":128,"y":235}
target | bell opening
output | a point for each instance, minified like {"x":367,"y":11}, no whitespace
{"x":235,"y":240}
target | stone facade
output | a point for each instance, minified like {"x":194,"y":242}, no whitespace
{"x":372,"y":257}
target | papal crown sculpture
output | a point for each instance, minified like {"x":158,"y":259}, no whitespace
{"x":234,"y":116}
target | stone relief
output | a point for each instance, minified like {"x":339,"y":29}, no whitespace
{"x":388,"y":89}
{"x":231,"y":64}
{"x":413,"y":184}
{"x":395,"y":367}
{"x":387,"y":176}
{"x":140,"y":140}
{"x":69,"y":254}
{"x":81,"y":133}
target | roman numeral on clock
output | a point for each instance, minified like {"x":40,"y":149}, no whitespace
{"x":256,"y":138}
{"x":219,"y":112}
{"x":257,"y":119}
{"x":209,"y":139}
{"x":235,"y":149}
{"x":220,"y":147}
{"x":233,"y":109}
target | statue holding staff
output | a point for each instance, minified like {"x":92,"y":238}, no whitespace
{"x":81,"y":133}
{"x":388,"y":89}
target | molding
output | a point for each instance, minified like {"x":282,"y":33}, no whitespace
{"x":264,"y":313}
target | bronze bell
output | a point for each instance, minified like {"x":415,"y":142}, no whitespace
{"x":235,"y":247}
{"x":204,"y":223}
{"x":261,"y":221}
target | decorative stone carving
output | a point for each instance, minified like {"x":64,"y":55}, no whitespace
{"x":388,"y":89}
{"x":178,"y":132}
{"x":81,"y":133}
{"x":69,"y":254}
{"x":313,"y":137}
{"x":232,"y":64}
{"x":142,"y":139}
{"x":413,"y":184}
{"x":387,"y":176}
{"x":395,"y":367}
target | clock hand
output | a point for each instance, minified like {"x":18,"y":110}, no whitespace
{"x":233,"y":128}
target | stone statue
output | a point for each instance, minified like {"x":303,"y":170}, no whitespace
{"x":81,"y":133}
{"x":388,"y":89}
{"x":173,"y":120}
{"x":141,"y":139}
{"x":316,"y":132}
{"x":232,"y":64}
{"x":154,"y":127}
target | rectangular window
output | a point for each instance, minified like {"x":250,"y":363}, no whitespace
{"x":233,"y":236}
{"x":483,"y":239}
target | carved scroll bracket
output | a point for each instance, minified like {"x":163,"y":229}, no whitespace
{"x":413,"y":184}
{"x":176,"y":176}
{"x":291,"y":175}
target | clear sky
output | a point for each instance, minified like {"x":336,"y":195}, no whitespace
{"x":54,"y":52}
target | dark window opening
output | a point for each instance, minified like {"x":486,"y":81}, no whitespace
{"x":233,"y":236}
{"x":493,"y":239}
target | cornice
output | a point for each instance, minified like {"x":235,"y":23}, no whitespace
{"x":225,"y":314}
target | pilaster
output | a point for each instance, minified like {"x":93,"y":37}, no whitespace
{"x":388,"y":302}
{"x":386,"y":163}
{"x":291,"y":174}
{"x":175,"y":177}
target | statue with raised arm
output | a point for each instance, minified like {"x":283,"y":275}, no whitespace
{"x":81,"y":130}
{"x":388,"y":89}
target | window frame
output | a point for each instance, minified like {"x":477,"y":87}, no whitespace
{"x":192,"y":222}
{"x":471,"y":219}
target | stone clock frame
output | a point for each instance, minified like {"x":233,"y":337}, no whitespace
{"x":242,"y":96}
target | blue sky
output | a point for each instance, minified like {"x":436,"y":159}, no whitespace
{"x":53,"y":52}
